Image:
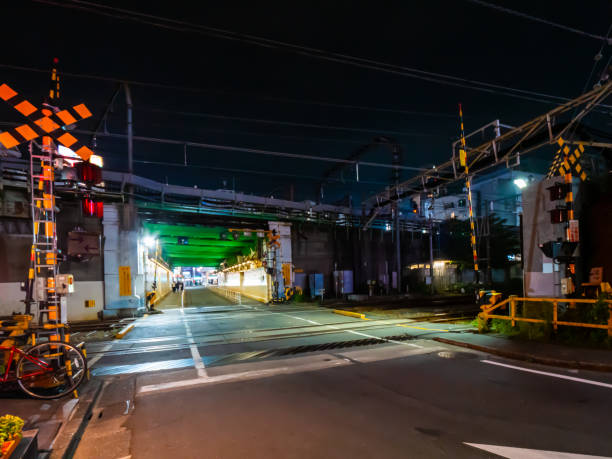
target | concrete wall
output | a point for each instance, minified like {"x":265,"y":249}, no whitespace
{"x":14,"y":265}
{"x":162,"y":274}
{"x":11,"y":300}
{"x":370,"y":254}
{"x":85,"y":290}
{"x":253,"y":283}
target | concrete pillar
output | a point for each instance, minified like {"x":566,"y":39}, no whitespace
{"x":123,"y":252}
{"x":283,"y":254}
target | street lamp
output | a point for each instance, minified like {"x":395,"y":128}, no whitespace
{"x":520,"y":183}
{"x":149,"y":241}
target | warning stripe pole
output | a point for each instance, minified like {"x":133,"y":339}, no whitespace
{"x":468,"y":184}
{"x":54,"y":92}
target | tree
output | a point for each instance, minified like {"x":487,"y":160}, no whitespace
{"x":455,"y":243}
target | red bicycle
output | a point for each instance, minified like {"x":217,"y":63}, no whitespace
{"x":46,"y":370}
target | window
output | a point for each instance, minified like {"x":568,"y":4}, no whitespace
{"x":461,"y":203}
{"x":449,"y":205}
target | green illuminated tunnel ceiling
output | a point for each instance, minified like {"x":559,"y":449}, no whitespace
{"x":187,"y":245}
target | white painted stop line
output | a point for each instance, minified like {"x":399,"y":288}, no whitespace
{"x":524,"y":453}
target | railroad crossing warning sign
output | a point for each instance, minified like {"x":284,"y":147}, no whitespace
{"x":565,"y":160}
{"x":43,"y":122}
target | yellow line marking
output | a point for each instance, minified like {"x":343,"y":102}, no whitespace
{"x":422,"y":328}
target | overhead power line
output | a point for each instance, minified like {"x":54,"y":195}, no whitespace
{"x":302,"y":139}
{"x":184,"y":26}
{"x":294,"y":124}
{"x":286,"y":100}
{"x":597,"y":58}
{"x":250,"y":150}
{"x":229,"y":148}
{"x":503,"y":9}
{"x":249,"y":171}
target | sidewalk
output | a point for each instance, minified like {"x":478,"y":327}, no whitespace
{"x":48,"y":416}
{"x":558,"y":355}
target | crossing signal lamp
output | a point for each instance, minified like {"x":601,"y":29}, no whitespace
{"x":558,"y":191}
{"x":414,"y":206}
{"x":92,"y":208}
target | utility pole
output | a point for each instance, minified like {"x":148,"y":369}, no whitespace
{"x":431,"y":257}
{"x":130,"y":132}
{"x":395,"y":179}
{"x":398,"y":253}
{"x":487,"y":236}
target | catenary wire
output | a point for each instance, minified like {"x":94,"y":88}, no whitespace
{"x":540,"y":20}
{"x":594,"y":66}
{"x":229,"y":148}
{"x":183,"y":26}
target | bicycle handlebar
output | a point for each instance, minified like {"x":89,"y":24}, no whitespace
{"x":8,"y":323}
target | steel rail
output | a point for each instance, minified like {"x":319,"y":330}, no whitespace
{"x":215,"y":342}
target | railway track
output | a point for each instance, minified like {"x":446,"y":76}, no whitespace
{"x":252,"y":336}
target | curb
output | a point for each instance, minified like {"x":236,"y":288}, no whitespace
{"x":573,"y":364}
{"x":349,"y":313}
{"x":67,"y":439}
{"x":124,"y":331}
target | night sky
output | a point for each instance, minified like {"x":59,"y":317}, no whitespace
{"x":238,"y":94}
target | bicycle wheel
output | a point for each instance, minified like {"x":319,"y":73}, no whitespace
{"x":51,"y":370}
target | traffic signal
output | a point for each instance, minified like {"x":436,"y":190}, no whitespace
{"x":559,"y":191}
{"x":414,"y":207}
{"x":558,"y":215}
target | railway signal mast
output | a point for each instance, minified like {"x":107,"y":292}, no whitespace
{"x":44,"y":130}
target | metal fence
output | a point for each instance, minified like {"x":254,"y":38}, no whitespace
{"x":231,"y":295}
{"x":514,"y":301}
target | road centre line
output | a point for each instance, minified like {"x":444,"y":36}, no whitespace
{"x":554,"y":375}
{"x":195,"y":354}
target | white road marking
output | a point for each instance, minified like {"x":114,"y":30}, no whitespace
{"x":354,"y":332}
{"x":243,"y":376}
{"x":91,"y":362}
{"x":195,"y":354}
{"x":525,"y":453}
{"x":157,"y":365}
{"x":384,"y":339}
{"x":554,"y":375}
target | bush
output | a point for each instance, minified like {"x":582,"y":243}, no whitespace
{"x":299,"y":297}
{"x":597,"y":313}
{"x":578,"y":336}
{"x":528,"y":330}
{"x":482,"y":324}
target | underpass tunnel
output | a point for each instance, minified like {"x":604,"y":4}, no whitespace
{"x":205,"y":255}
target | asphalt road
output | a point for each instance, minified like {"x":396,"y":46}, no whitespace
{"x":217,"y":380}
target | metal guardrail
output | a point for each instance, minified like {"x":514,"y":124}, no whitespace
{"x":231,"y":295}
{"x":513,"y":300}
